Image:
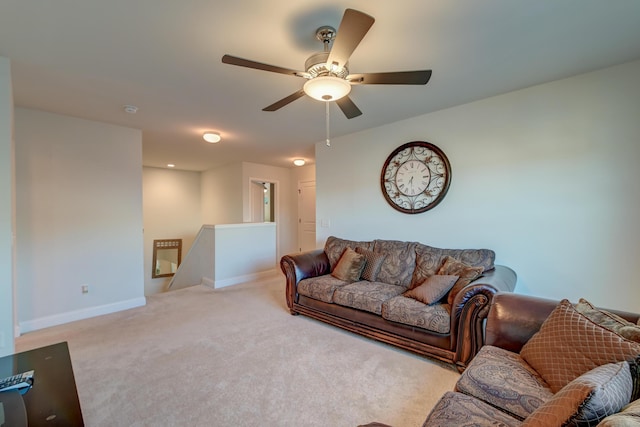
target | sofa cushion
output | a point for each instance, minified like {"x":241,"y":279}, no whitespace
{"x":399,"y":263}
{"x":367,"y":296}
{"x":320,"y":288}
{"x":372,"y":265}
{"x":586,"y":400}
{"x":611,"y":321}
{"x":433,"y":289}
{"x":503,"y":379}
{"x":629,"y":416}
{"x":350,"y":266}
{"x":568,"y":345}
{"x":334,"y":247}
{"x":429,"y":260}
{"x":457,"y":409}
{"x":435,"y":318}
{"x":466,"y":273}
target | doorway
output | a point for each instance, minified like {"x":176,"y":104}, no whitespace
{"x":263,"y":201}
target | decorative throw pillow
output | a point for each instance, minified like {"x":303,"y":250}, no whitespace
{"x":334,"y":248}
{"x":629,"y":416}
{"x":568,"y":345}
{"x":433,"y":289}
{"x":586,"y":400}
{"x":611,"y":321}
{"x":466,"y":273}
{"x":349,"y":267}
{"x":373,"y":262}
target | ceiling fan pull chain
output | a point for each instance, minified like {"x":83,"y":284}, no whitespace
{"x":328,"y":128}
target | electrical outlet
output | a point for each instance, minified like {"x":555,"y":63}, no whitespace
{"x":85,"y":289}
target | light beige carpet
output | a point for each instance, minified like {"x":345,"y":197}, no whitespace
{"x":236,"y":357}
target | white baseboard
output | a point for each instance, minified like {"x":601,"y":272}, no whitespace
{"x":208,"y":282}
{"x":242,"y":279}
{"x":85,"y":313}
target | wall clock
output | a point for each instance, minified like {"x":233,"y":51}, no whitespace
{"x":415,"y":177}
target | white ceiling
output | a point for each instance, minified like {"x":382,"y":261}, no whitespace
{"x":89,"y":58}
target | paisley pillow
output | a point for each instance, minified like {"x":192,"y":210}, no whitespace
{"x":433,"y":289}
{"x":465,"y":272}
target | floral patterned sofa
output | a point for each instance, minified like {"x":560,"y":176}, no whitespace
{"x":428,"y":300}
{"x":548,"y":363}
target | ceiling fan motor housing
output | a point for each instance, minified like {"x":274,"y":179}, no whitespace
{"x":316,"y":65}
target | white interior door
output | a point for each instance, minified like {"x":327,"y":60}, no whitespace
{"x":306,"y":215}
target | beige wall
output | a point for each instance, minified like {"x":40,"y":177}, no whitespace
{"x":6,"y":211}
{"x":222,"y":195}
{"x":546,"y":176}
{"x":79,"y":218}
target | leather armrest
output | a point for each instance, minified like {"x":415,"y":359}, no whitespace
{"x":307,"y":264}
{"x":500,"y":279}
{"x":300,"y":266}
{"x":470,"y":308}
{"x":514,"y":318}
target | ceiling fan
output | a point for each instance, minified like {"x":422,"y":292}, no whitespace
{"x":327,"y":72}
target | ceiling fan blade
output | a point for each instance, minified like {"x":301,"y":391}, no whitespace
{"x":284,"y":101}
{"x":353,"y":27}
{"x":420,"y":77}
{"x":348,"y":107}
{"x":234,"y":60}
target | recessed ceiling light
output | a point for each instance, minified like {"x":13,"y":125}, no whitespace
{"x":131,"y":109}
{"x":211,"y":137}
{"x":299,"y":162}
{"x":171,"y":165}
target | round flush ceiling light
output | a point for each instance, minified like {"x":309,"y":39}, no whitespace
{"x":211,"y":137}
{"x":131,"y":109}
{"x":299,"y":162}
{"x":327,"y":88}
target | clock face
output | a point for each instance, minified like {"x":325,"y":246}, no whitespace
{"x":415,"y":177}
{"x":412,"y":178}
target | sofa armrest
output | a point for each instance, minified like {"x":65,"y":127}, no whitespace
{"x":514,"y":318}
{"x":471,"y":307}
{"x":300,"y":266}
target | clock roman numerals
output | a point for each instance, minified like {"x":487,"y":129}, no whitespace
{"x":412,"y":177}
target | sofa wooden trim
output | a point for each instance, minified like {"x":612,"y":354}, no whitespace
{"x":469,"y":309}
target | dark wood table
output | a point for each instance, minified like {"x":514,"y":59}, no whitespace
{"x":53,"y":398}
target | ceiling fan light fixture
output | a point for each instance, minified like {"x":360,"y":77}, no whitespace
{"x":211,"y":137}
{"x":327,"y":88}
